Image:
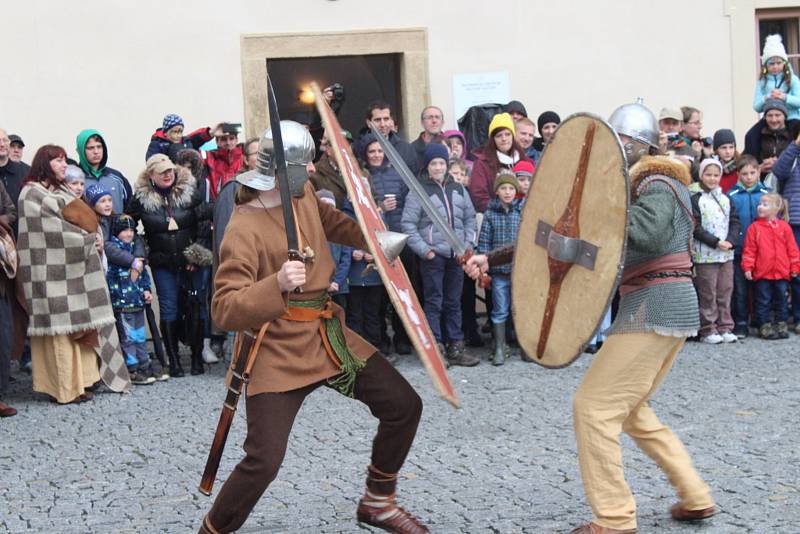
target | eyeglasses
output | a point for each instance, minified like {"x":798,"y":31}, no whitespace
{"x":431,"y":117}
{"x":696,"y":123}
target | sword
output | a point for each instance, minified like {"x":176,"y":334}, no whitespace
{"x":462,"y":252}
{"x":283,"y":179}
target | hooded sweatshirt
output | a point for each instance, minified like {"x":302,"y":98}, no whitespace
{"x":112,"y":180}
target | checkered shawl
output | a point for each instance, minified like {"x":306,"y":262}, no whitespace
{"x":62,"y":276}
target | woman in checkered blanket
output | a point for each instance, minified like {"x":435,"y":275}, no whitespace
{"x":71,"y":320}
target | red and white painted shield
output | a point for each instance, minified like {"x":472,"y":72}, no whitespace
{"x":392,"y":272}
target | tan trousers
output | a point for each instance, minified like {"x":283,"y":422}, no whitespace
{"x":613,"y":398}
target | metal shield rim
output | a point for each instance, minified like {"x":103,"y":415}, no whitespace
{"x":624,"y":248}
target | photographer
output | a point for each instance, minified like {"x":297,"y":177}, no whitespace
{"x":670,"y":140}
{"x":334,"y":96}
{"x":227,"y":159}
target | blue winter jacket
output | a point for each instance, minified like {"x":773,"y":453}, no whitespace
{"x":787,"y":172}
{"x":745,"y":203}
{"x":356,"y":269}
{"x":772,"y":81}
{"x":342,"y":257}
{"x":387,"y":181}
{"x":126,"y":295}
{"x":455,"y":206}
{"x":499,"y":228}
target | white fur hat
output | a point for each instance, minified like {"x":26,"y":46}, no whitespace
{"x":773,"y":47}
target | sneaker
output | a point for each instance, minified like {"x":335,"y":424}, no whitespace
{"x":741,"y":331}
{"x":140,"y":379}
{"x":729,"y":337}
{"x":160,"y":375}
{"x":713,"y":339}
{"x":208,"y":353}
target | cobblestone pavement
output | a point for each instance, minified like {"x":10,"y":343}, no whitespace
{"x":505,"y":462}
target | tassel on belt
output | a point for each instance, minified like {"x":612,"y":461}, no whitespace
{"x":330,"y":330}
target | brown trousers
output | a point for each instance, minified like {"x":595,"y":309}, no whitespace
{"x":270,"y":417}
{"x":714,"y":283}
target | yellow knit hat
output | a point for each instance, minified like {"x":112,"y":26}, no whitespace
{"x":502,"y":120}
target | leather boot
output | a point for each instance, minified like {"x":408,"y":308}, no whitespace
{"x":197,"y":356}
{"x":499,"y":344}
{"x":169,"y":332}
{"x":378,"y":507}
{"x":206,"y":528}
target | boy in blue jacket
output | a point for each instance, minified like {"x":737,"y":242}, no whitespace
{"x":129,"y":293}
{"x":745,"y":196}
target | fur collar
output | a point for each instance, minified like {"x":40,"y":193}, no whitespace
{"x":663,"y":165}
{"x":180,"y":196}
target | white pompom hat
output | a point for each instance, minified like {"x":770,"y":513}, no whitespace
{"x":773,"y":47}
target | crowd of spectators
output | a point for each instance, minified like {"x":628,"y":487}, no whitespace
{"x":156,"y":238}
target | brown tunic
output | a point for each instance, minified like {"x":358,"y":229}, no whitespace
{"x":247,"y":293}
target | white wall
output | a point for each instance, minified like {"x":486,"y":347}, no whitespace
{"x":119,"y":66}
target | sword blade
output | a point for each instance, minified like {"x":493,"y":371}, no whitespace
{"x":281,"y":172}
{"x":458,"y":246}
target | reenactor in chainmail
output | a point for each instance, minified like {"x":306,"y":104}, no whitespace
{"x":657,"y":312}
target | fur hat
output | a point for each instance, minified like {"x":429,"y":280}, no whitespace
{"x":546,"y":118}
{"x":506,"y":177}
{"x":523,"y":168}
{"x":94,"y":193}
{"x":775,"y":103}
{"x":434,"y":151}
{"x":724,"y":137}
{"x":773,"y":47}
{"x":123,"y":222}
{"x":502,"y":120}
{"x":170,"y":121}
{"x":706,"y":162}
{"x":197,"y":254}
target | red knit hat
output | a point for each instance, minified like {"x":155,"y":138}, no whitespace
{"x":523,"y":168}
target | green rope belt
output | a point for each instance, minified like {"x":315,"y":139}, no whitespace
{"x":350,"y":364}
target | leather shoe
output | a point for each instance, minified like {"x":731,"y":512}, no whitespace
{"x":6,"y":410}
{"x":679,"y":513}
{"x":591,"y":528}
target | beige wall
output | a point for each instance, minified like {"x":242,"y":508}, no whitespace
{"x":119,"y":66}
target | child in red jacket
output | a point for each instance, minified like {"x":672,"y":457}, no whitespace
{"x":770,"y":258}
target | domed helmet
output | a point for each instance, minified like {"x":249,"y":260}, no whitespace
{"x":638,"y":123}
{"x":298,"y":149}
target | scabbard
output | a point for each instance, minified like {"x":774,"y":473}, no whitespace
{"x":240,"y":371}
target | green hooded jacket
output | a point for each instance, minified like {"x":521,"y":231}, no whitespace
{"x":81,"y":141}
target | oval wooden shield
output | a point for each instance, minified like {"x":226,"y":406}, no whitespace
{"x":577,"y":211}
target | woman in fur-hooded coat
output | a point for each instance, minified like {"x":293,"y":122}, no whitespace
{"x":169,"y":205}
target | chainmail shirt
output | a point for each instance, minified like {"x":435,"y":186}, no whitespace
{"x":660,"y":224}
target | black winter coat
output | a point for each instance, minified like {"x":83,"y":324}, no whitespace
{"x":185,"y":206}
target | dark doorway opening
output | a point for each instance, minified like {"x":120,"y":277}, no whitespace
{"x":365,"y":78}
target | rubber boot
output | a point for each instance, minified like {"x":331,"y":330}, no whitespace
{"x":499,"y":344}
{"x":169,"y":332}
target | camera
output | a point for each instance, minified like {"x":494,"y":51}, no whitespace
{"x":338,"y":92}
{"x":707,"y":141}
{"x":673,"y":136}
